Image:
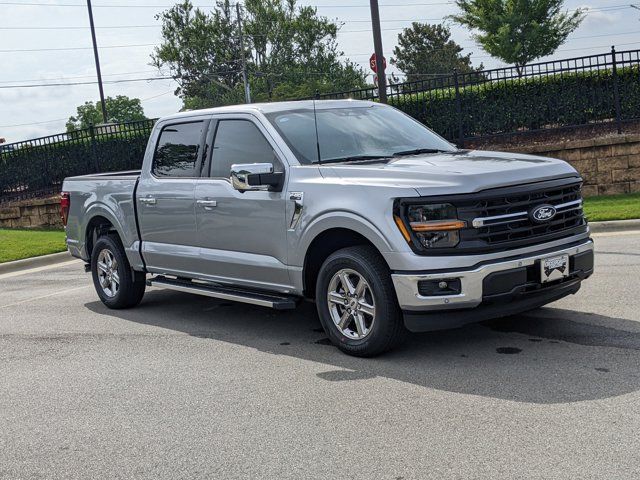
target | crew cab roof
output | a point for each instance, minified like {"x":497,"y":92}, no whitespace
{"x":273,"y":107}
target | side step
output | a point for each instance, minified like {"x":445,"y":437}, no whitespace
{"x":278,"y":302}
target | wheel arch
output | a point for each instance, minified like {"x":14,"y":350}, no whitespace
{"x":324,"y":244}
{"x":97,"y":226}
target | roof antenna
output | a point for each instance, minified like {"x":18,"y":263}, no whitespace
{"x":315,"y":121}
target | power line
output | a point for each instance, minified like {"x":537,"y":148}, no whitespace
{"x":124,"y":80}
{"x":151,"y":79}
{"x":156,"y":96}
{"x":82,"y":27}
{"x":154,"y":44}
{"x":129,"y":5}
{"x":76,"y":48}
{"x":34,"y":123}
{"x":60,"y":49}
{"x":64,"y":119}
{"x":78,"y":76}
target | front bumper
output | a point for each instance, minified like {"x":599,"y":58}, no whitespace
{"x":506,"y":280}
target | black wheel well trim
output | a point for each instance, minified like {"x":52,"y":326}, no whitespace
{"x":97,"y":227}
{"x":324,"y":244}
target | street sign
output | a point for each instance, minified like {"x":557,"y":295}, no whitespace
{"x":374,"y":66}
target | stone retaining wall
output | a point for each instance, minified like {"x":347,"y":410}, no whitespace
{"x":34,"y":213}
{"x":609,"y":165}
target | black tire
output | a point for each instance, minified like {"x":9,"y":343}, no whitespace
{"x":131,"y":284}
{"x":387,"y":328}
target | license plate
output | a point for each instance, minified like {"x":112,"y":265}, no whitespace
{"x":554,"y":268}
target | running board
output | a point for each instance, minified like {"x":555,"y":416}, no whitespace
{"x":277,"y":302}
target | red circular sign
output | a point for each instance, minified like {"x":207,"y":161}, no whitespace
{"x":373,"y":64}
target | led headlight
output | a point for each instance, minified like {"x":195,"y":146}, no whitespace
{"x":434,"y":226}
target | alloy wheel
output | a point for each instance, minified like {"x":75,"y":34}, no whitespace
{"x":351,"y":304}
{"x":108,"y":273}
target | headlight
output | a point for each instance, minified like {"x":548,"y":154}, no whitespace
{"x":433,"y":226}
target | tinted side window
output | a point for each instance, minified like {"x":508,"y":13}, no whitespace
{"x":176,"y":154}
{"x":239,"y":141}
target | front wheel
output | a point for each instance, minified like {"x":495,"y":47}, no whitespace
{"x":117,"y":285}
{"x":357,"y":303}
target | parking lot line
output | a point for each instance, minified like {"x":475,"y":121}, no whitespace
{"x":45,"y":296}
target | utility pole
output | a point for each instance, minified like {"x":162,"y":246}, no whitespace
{"x":377,"y":45}
{"x":97,"y":58}
{"x":245,"y":78}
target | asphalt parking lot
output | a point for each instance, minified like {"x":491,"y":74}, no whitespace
{"x":191,"y":387}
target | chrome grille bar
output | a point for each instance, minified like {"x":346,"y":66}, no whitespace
{"x":520,"y":216}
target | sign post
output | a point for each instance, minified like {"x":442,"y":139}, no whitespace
{"x":379,"y":57}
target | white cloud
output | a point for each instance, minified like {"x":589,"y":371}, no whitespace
{"x":598,"y":18}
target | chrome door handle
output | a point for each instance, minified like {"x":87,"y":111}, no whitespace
{"x":207,"y":203}
{"x":148,"y":200}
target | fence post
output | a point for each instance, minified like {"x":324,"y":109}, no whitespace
{"x":616,"y":91}
{"x":94,"y":150}
{"x":458,"y":108}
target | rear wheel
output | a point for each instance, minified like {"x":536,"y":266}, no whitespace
{"x":357,"y":303}
{"x":116,"y":284}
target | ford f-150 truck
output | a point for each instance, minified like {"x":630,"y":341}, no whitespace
{"x":385,"y":225}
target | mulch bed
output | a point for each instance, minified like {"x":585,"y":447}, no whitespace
{"x":525,"y":139}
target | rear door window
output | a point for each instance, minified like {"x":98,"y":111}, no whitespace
{"x":178,"y":150}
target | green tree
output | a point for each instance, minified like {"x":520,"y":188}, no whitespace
{"x":119,"y":109}
{"x":518,"y":31}
{"x":424,"y":50}
{"x":202,"y":53}
{"x":290,"y":51}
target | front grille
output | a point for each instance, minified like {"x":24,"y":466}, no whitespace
{"x":499,"y":219}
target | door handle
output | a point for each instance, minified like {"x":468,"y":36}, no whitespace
{"x":148,"y":200}
{"x":207,"y":203}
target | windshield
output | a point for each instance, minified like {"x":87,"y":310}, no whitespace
{"x":354,"y":133}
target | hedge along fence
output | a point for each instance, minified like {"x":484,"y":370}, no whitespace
{"x":38,"y":167}
{"x":521,"y":105}
{"x":549,"y":95}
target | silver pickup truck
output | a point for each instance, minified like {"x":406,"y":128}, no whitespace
{"x":355,"y":205}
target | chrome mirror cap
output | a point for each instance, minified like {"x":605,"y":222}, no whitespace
{"x":241,"y":175}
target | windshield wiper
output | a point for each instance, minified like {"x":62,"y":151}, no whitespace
{"x":417,"y":151}
{"x":353,"y":158}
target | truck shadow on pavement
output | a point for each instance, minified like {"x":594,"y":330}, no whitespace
{"x":546,"y":356}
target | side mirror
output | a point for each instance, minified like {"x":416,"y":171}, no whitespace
{"x":255,"y":176}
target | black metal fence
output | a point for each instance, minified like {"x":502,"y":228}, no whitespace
{"x":37,"y":167}
{"x":591,"y":90}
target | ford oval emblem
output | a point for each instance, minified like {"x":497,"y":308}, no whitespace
{"x":543,"y":213}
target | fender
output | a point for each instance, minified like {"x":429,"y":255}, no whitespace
{"x":128,"y":236}
{"x":337,"y":219}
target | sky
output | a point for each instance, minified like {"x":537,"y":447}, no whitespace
{"x":49,"y":41}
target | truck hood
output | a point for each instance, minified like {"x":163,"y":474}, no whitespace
{"x":463,"y":171}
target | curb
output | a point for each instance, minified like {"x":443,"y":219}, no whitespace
{"x":614,"y":226}
{"x":33,"y":262}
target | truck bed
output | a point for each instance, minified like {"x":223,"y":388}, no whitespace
{"x":104,"y":197}
{"x":124,"y":175}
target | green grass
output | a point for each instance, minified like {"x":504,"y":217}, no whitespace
{"x":18,"y":244}
{"x":614,"y":207}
